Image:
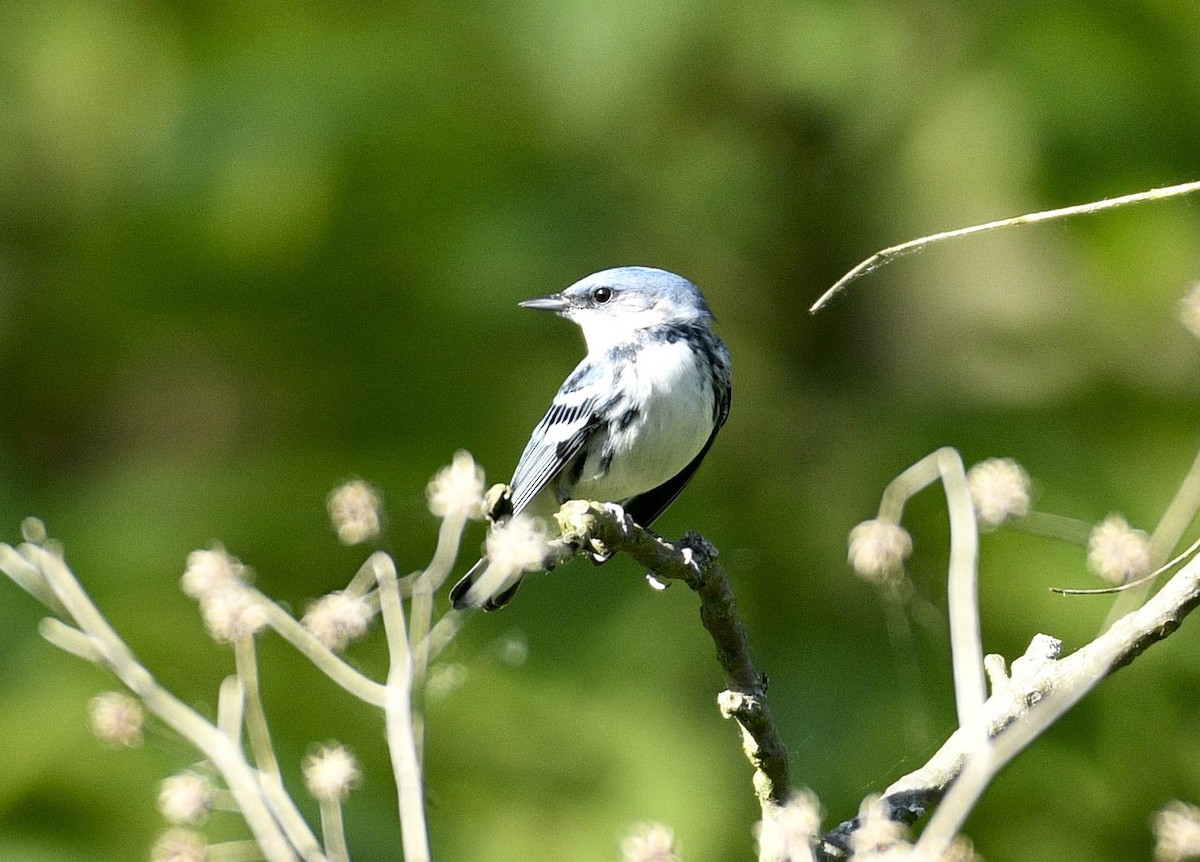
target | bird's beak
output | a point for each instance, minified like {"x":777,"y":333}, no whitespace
{"x":555,"y":302}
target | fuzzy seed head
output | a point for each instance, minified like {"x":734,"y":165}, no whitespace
{"x":791,"y":833}
{"x":233,"y":613}
{"x":211,"y":570}
{"x":1117,"y":552}
{"x":444,"y":679}
{"x":116,"y":719}
{"x":354,"y":510}
{"x":649,"y":842}
{"x":999,"y":490}
{"x":179,"y":845}
{"x":338,"y":618}
{"x":517,"y":546}
{"x":878,"y":550}
{"x":513,"y":649}
{"x":1176,"y":832}
{"x":457,"y":490}
{"x":186,"y":799}
{"x":1189,"y":309}
{"x":877,"y":831}
{"x":33,"y":530}
{"x":330,"y":773}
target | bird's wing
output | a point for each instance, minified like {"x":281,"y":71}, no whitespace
{"x":646,"y":507}
{"x":560,"y":436}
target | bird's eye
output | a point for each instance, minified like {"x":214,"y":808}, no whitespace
{"x":602,"y":295}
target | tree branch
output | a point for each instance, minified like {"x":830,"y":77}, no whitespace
{"x":606,"y":529}
{"x":1040,"y":689}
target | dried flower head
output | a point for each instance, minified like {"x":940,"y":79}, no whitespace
{"x":354,"y":510}
{"x":211,"y":570}
{"x":517,"y":546}
{"x":513,"y":547}
{"x":233,"y":613}
{"x":1117,"y":552}
{"x":1189,"y":309}
{"x":457,"y":490}
{"x":1176,"y":832}
{"x":116,"y":719}
{"x":33,"y":530}
{"x":444,"y":679}
{"x":330,"y":773}
{"x":877,"y":832}
{"x":791,"y":833}
{"x":338,"y":618}
{"x":999,"y":490}
{"x":961,"y":850}
{"x":513,"y":648}
{"x":649,"y":842}
{"x":179,"y":845}
{"x":878,"y":550}
{"x":186,"y":799}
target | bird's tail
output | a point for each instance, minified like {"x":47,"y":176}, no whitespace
{"x":461,"y":595}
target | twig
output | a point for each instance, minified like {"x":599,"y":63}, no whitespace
{"x":425,"y":584}
{"x":325,"y":660}
{"x":401,"y":737}
{"x":255,"y":716}
{"x":889,"y":254}
{"x":605,"y":528}
{"x":963,"y":581}
{"x":1174,"y":523}
{"x":1041,"y":688}
{"x":231,"y":708}
{"x":1140,"y":582}
{"x":223,"y":751}
{"x":334,"y":830}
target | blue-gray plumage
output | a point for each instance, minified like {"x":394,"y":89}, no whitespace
{"x":633,"y":421}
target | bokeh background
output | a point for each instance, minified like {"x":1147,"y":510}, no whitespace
{"x":248,"y":250}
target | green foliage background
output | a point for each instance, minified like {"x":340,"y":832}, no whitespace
{"x":248,"y":250}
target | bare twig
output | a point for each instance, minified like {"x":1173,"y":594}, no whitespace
{"x":606,"y":528}
{"x":222,"y":750}
{"x":963,"y":581}
{"x":397,"y":708}
{"x":255,"y":717}
{"x":328,"y":662}
{"x":889,"y":254}
{"x":1174,"y":523}
{"x":1041,"y":688}
{"x":424,"y":585}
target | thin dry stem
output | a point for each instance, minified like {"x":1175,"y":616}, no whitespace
{"x":962,"y":588}
{"x":425,"y":585}
{"x":325,"y":660}
{"x":223,"y":751}
{"x":1180,"y":513}
{"x":398,"y":715}
{"x":334,"y":831}
{"x":231,"y":708}
{"x":1040,"y":689}
{"x":889,"y":254}
{"x":246,"y":661}
{"x":605,"y":528}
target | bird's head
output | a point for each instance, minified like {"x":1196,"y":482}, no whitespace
{"x":612,"y":306}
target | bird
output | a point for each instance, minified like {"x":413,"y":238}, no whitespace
{"x":634,"y":420}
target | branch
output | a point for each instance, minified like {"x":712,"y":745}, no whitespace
{"x":962,"y":588}
{"x":889,"y":254}
{"x":1040,"y":689}
{"x":606,"y":529}
{"x":271,"y":826}
{"x":402,"y":743}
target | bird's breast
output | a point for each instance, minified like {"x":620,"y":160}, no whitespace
{"x":661,"y":422}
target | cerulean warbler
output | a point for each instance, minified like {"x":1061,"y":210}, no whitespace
{"x":634,"y":420}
